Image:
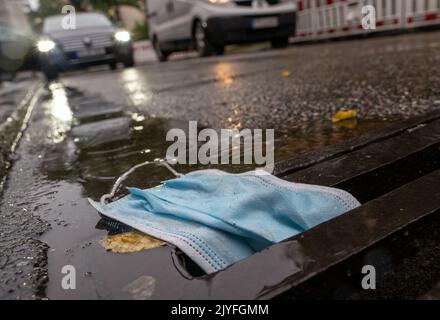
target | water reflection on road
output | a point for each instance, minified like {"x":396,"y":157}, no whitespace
{"x":60,"y":113}
{"x":136,"y":87}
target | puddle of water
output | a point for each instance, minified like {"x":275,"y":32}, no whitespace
{"x":86,"y":161}
{"x":98,"y":166}
{"x":306,"y":137}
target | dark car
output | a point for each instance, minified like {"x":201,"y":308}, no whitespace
{"x":93,"y":41}
{"x":16,"y":50}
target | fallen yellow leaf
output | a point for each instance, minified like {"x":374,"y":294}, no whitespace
{"x":130,"y":242}
{"x":286,"y":74}
{"x":347,"y":124}
{"x":344,"y":115}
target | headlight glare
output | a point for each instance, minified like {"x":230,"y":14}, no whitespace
{"x":46,"y":45}
{"x":122,"y":36}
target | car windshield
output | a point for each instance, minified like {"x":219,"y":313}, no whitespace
{"x":83,"y":21}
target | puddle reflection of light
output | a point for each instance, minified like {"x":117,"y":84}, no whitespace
{"x":60,"y":113}
{"x":136,"y":87}
{"x":224,"y":73}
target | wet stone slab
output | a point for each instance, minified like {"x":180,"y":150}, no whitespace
{"x":95,"y":108}
{"x":102,"y":132}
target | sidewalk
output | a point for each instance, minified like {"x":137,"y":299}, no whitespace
{"x":16,"y":101}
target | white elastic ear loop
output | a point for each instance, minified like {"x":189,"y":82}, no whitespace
{"x":159,"y":162}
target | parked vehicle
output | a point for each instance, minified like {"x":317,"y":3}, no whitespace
{"x":94,"y":41}
{"x":210,"y":25}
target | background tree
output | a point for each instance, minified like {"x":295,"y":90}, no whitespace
{"x":109,"y":7}
{"x":46,"y":8}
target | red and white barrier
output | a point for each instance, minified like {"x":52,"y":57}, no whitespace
{"x":421,"y":13}
{"x":321,"y":19}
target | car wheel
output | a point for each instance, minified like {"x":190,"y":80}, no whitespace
{"x":51,"y":73}
{"x":280,"y":43}
{"x":201,"y":41}
{"x":113,"y":66}
{"x":219,"y":50}
{"x":128,"y":61}
{"x":162,"y":56}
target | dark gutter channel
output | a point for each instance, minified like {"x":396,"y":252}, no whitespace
{"x":321,"y":155}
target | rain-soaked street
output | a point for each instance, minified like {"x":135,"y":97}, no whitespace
{"x":383,"y":78}
{"x":91,"y":126}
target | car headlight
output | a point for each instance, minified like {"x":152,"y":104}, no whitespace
{"x":122,"y":36}
{"x":45,"y":45}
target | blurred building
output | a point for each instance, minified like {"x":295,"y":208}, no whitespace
{"x":12,"y":13}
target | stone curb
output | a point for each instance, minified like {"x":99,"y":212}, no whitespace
{"x":12,"y":129}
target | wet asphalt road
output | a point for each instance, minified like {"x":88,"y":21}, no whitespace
{"x":383,"y":78}
{"x":47,"y":222}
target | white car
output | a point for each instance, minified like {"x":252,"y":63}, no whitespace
{"x":210,"y":25}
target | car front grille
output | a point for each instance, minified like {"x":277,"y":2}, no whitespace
{"x":77,"y":42}
{"x":248,"y":3}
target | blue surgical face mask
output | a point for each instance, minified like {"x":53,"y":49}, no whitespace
{"x":218,"y":218}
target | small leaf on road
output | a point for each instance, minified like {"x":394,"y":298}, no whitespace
{"x":344,"y":115}
{"x":130,"y":242}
